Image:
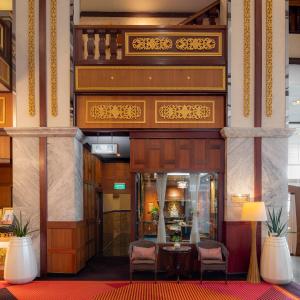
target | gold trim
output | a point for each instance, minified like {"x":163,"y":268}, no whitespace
{"x":269,"y":58}
{"x":172,"y":33}
{"x":247,"y":16}
{"x":53,"y":58}
{"x":3,"y":119}
{"x":112,"y":102}
{"x":194,"y":88}
{"x":182,"y":102}
{"x":5,"y":79}
{"x":31,"y":57}
{"x":1,"y":37}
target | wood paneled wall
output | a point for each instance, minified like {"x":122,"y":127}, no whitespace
{"x":92,"y":176}
{"x":154,"y":155}
{"x":296,"y":190}
{"x":5,"y":172}
{"x":140,"y":111}
{"x":66,"y":246}
{"x":116,"y":172}
{"x":6,"y":110}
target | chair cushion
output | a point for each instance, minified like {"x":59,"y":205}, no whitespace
{"x":143,"y":261}
{"x":143,"y":253}
{"x":213,"y":262}
{"x":212,"y":253}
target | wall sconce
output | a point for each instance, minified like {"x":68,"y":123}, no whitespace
{"x":240,"y":198}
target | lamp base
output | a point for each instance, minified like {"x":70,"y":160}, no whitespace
{"x":253,"y":272}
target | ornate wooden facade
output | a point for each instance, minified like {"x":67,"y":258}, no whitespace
{"x":5,"y":56}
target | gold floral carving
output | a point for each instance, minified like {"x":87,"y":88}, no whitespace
{"x":155,"y":43}
{"x":31,"y":57}
{"x":247,"y":58}
{"x":184,"y":112}
{"x":192,"y":44}
{"x":115,"y":112}
{"x":53,"y":57}
{"x":269,"y":58}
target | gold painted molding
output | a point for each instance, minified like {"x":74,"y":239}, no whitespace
{"x":31,"y":57}
{"x":53,"y":57}
{"x":269,"y":58}
{"x":247,"y":17}
{"x":2,"y":110}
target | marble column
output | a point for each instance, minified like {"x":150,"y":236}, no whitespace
{"x":65,"y":185}
{"x":240,"y":167}
{"x":64,"y":175}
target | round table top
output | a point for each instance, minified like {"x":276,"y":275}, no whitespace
{"x":179,"y":249}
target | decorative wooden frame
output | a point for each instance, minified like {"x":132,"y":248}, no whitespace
{"x":179,"y":34}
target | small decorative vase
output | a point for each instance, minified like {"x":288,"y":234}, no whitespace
{"x":20,"y":263}
{"x":275,"y":262}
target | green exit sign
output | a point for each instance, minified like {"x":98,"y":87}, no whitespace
{"x":119,"y":186}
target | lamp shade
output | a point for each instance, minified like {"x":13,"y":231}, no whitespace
{"x":254,"y":211}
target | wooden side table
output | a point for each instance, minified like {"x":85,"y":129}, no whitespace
{"x":178,"y":257}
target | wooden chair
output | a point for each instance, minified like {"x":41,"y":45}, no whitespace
{"x":143,"y":264}
{"x":211,"y":264}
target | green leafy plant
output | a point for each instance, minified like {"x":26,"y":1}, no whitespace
{"x":20,"y":229}
{"x":176,"y":237}
{"x":154,"y":213}
{"x":274,"y":224}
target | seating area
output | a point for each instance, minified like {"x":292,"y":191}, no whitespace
{"x":178,"y":259}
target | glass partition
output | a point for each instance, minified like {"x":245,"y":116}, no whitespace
{"x":179,"y":206}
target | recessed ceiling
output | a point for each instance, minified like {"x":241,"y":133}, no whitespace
{"x":122,"y":141}
{"x":150,"y":6}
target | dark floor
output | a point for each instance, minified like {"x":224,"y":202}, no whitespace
{"x":117,"y":268}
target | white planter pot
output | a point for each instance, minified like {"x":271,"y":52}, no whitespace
{"x":20,"y":263}
{"x":275,"y":262}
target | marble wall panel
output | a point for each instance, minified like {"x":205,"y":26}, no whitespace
{"x":239,"y":174}
{"x":65,"y":201}
{"x":274,"y":174}
{"x":26,"y":197}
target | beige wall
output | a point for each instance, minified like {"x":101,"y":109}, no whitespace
{"x":294,"y":45}
{"x":63,"y":66}
{"x":122,"y":202}
{"x":277,"y":120}
{"x":237,"y":67}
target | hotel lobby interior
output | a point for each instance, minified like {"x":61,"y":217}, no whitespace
{"x":149,"y":149}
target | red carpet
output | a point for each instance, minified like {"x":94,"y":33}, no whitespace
{"x":98,"y":290}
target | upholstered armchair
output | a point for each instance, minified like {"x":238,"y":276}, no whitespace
{"x":140,"y":260}
{"x":210,"y":259}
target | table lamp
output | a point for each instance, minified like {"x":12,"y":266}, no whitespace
{"x":253,"y":212}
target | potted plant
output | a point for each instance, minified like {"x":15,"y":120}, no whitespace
{"x":154,"y":214}
{"x":20,"y":263}
{"x":276,"y":265}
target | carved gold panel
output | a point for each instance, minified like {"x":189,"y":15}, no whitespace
{"x":118,"y":111}
{"x":193,"y":111}
{"x":2,"y":110}
{"x":171,"y":43}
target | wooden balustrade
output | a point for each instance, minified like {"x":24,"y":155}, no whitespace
{"x":150,"y":45}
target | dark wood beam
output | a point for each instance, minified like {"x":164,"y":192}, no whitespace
{"x":294,"y":61}
{"x":258,"y":112}
{"x":43,"y":140}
